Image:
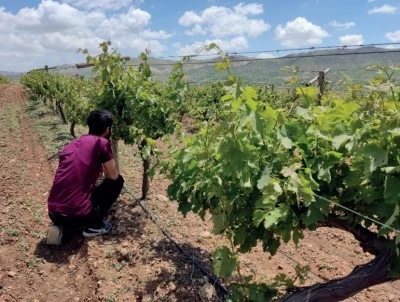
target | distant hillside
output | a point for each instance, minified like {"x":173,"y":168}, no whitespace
{"x":342,"y":63}
{"x":14,"y":76}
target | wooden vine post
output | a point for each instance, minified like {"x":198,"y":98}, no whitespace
{"x":321,"y":83}
{"x":114,"y":147}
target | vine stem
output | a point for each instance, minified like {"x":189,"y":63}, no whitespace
{"x":238,"y":262}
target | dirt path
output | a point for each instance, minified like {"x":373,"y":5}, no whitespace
{"x":29,"y":270}
{"x":136,"y":262}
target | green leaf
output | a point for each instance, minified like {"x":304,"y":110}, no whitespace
{"x":384,"y":230}
{"x":340,"y":140}
{"x":220,"y":223}
{"x":250,"y":94}
{"x":238,"y":88}
{"x":315,"y":213}
{"x":270,"y":217}
{"x":304,"y":113}
{"x":286,"y":142}
{"x":391,"y":170}
{"x":236,"y":103}
{"x":376,"y":157}
{"x":392,"y":189}
{"x":230,"y":80}
{"x":297,"y":235}
{"x":224,"y":262}
{"x":264,"y":179}
{"x":184,"y":208}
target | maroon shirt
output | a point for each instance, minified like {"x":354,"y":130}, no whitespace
{"x":79,"y":167}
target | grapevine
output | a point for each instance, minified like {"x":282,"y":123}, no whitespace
{"x":265,"y":174}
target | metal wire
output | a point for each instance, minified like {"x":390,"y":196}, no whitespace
{"x":357,"y":213}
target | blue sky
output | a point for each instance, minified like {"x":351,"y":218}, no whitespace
{"x":34,"y":33}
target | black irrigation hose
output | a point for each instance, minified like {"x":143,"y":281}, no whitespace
{"x":214,"y":280}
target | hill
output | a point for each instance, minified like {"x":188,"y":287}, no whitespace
{"x":13,"y":76}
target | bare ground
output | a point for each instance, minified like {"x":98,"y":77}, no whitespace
{"x":137,"y":262}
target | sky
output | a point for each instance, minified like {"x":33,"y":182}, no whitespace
{"x":34,"y":33}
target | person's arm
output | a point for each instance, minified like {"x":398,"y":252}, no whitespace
{"x":110,"y":169}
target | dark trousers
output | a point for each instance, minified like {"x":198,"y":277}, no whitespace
{"x":102,"y":198}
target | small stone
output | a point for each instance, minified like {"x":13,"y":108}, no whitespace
{"x":207,"y":292}
{"x":124,"y":252}
{"x":162,"y":198}
{"x":77,"y":299}
{"x":147,"y":298}
{"x":205,"y":235}
{"x":42,"y":272}
{"x":171,"y":286}
{"x":125,"y":243}
{"x":11,"y":274}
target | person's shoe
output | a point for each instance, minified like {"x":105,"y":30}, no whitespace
{"x":92,"y":232}
{"x":54,"y":235}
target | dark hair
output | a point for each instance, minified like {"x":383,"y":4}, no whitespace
{"x":98,"y":121}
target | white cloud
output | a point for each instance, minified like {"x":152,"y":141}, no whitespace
{"x":99,"y":4}
{"x":351,"y":40}
{"x":7,"y":21}
{"x":229,"y":45}
{"x":265,"y":55}
{"x":249,"y":9}
{"x":370,"y":1}
{"x":393,"y":36}
{"x":384,"y":9}
{"x":135,"y":20}
{"x":189,"y":18}
{"x":300,"y":32}
{"x":222,"y":22}
{"x":196,"y":30}
{"x":53,"y":31}
{"x":341,"y":26}
{"x":50,"y":16}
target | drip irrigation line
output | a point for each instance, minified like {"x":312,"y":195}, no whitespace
{"x":204,"y":271}
{"x":357,"y":213}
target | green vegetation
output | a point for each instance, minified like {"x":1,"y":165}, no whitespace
{"x":266,"y":173}
{"x":265,"y":165}
{"x":4,"y":80}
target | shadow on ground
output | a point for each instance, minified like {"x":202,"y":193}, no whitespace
{"x":73,"y":243}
